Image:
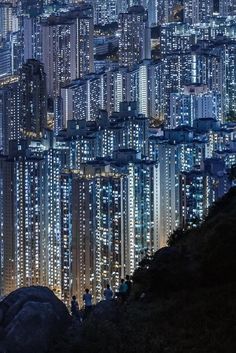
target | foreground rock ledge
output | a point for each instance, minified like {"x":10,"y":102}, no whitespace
{"x":31,"y":320}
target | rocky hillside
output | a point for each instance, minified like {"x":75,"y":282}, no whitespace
{"x":183,"y":300}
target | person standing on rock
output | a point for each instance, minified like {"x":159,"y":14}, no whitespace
{"x":129,"y":285}
{"x":74,"y":307}
{"x":87,"y":298}
{"x":108,"y":294}
{"x":122,"y":291}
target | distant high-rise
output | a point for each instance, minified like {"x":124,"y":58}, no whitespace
{"x":54,"y":158}
{"x":176,"y":37}
{"x":165,"y":10}
{"x":91,"y":233}
{"x":195,"y":102}
{"x":105,"y":11}
{"x":33,"y":99}
{"x":109,"y":221}
{"x":67,"y":48}
{"x":33,"y":8}
{"x":199,"y":189}
{"x":139,"y":206}
{"x":24,"y":104}
{"x":67,"y":52}
{"x":176,"y":153}
{"x":24,"y":208}
{"x":10,"y":110}
{"x":227,"y":7}
{"x":196,"y":11}
{"x":134,"y":43}
{"x":82,"y":99}
{"x":32,"y":37}
{"x":6,"y":19}
{"x":5,"y":60}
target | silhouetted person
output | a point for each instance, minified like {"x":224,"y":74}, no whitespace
{"x":87,"y":298}
{"x":123,"y":290}
{"x":74,"y":307}
{"x":108,"y":294}
{"x":129,"y":285}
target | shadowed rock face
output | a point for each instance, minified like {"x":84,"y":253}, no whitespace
{"x":31,"y":319}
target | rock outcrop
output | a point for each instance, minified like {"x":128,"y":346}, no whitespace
{"x":31,"y":320}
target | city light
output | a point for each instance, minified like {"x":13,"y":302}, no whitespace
{"x":108,"y":144}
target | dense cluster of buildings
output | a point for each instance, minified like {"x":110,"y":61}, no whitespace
{"x":101,"y":159}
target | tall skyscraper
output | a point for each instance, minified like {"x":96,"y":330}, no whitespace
{"x":6,"y":20}
{"x":227,"y":8}
{"x":92,"y":227}
{"x":24,"y":258}
{"x":54,"y":157}
{"x":33,"y":99}
{"x":82,"y":99}
{"x":67,"y":52}
{"x":195,"y":102}
{"x":32,"y":36}
{"x":105,"y":11}
{"x":199,"y":189}
{"x":139,"y":206}
{"x":10,"y":110}
{"x":176,"y":153}
{"x":5,"y":60}
{"x":196,"y":11}
{"x":33,"y":8}
{"x":24,"y":104}
{"x":134,"y":42}
{"x":67,"y":48}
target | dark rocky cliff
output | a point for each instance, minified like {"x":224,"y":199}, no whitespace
{"x":31,"y":320}
{"x":183,"y":300}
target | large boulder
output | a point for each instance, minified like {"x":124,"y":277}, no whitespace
{"x":31,"y":320}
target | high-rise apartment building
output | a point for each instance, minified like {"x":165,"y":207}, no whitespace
{"x":5,"y":60}
{"x":139,"y":207}
{"x":55,"y":161}
{"x":134,"y":40}
{"x":91,"y":220}
{"x":67,"y":48}
{"x":82,"y":99}
{"x":67,"y":52}
{"x":24,"y":104}
{"x":33,"y":8}
{"x":195,"y":102}
{"x":175,"y":153}
{"x":227,"y":8}
{"x":196,"y":11}
{"x":199,"y":189}
{"x":32,"y":37}
{"x":10,"y":111}
{"x":176,"y":37}
{"x":24,"y":257}
{"x":105,"y":11}
{"x":33,"y":99}
{"x":8,"y":20}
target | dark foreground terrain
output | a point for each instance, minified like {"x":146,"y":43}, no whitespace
{"x":183,"y":301}
{"x":190,"y":296}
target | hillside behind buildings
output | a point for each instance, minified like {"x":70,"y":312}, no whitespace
{"x":183,"y":299}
